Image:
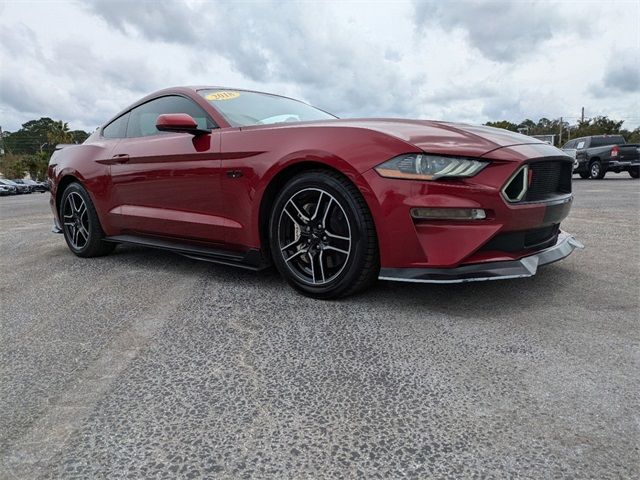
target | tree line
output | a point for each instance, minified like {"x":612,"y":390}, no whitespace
{"x":602,"y":125}
{"x":28,"y":149}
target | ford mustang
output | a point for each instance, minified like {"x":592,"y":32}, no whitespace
{"x":253,"y":179}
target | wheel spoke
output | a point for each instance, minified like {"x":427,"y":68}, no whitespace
{"x":74,"y":205}
{"x":297,"y":254}
{"x":84,"y":233}
{"x":337,"y":237}
{"x":321,"y":266}
{"x":298,"y":211}
{"x":313,"y":270}
{"x":292,"y":244}
{"x":335,"y":249}
{"x":291,"y":217}
{"x":326,"y":211}
{"x":76,"y":233}
{"x":337,"y":242}
{"x":315,"y":213}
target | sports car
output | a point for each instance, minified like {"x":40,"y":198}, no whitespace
{"x":254,"y":179}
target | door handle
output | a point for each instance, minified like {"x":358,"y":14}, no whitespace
{"x":121,"y":158}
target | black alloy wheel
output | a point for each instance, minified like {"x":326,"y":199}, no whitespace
{"x":80,"y":224}
{"x":322,"y":236}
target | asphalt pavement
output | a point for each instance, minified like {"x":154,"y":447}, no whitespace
{"x":146,"y":364}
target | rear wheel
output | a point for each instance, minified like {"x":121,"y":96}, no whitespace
{"x":322,"y":236}
{"x":80,"y":224}
{"x":596,"y":170}
{"x":634,"y":172}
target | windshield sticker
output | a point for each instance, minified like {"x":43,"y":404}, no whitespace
{"x":222,"y":96}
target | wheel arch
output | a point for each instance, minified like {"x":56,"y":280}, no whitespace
{"x":279,"y":180}
{"x":63,"y":183}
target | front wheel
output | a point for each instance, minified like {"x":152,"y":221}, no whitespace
{"x":634,"y":172}
{"x":322,"y":236}
{"x":80,"y":224}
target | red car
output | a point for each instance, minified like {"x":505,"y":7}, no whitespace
{"x":253,"y":179}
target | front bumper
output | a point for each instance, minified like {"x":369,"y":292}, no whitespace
{"x":523,"y":267}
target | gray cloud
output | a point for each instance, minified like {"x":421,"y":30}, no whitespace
{"x":273,"y":42}
{"x":69,"y":81}
{"x":452,"y":60}
{"x":502,"y":30}
{"x":164,"y":21}
{"x":621,"y":75}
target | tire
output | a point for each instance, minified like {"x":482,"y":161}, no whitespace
{"x":584,"y":175}
{"x":322,"y":237}
{"x":80,"y":224}
{"x":634,"y":172}
{"x":596,"y":171}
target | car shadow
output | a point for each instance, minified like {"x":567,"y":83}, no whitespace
{"x":553,"y":284}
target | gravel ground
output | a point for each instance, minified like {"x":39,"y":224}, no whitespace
{"x":147,"y":364}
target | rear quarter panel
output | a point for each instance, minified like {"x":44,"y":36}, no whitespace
{"x":82,"y":162}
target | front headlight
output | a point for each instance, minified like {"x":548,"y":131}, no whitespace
{"x":422,"y":166}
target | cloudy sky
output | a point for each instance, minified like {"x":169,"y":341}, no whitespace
{"x":82,"y":61}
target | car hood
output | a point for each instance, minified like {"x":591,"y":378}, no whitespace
{"x":436,"y":137}
{"x":445,"y":137}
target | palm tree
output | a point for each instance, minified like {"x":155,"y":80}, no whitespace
{"x":59,"y":133}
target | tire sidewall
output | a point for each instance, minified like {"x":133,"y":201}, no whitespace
{"x":357,"y":224}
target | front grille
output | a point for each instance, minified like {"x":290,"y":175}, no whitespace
{"x":536,"y":239}
{"x":550,"y":179}
{"x":539,"y":181}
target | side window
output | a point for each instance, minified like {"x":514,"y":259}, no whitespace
{"x":117,"y":128}
{"x":142,"y":122}
{"x":570,"y":144}
{"x":580,"y":145}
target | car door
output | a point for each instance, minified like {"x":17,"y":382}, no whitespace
{"x":168,"y":183}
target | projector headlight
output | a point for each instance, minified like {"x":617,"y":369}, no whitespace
{"x":422,"y":166}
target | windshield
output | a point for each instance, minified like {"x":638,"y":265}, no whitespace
{"x":242,"y":108}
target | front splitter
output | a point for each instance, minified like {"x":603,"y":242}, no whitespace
{"x":478,"y":272}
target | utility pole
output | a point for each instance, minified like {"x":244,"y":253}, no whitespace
{"x":582,"y":116}
{"x":560,"y":134}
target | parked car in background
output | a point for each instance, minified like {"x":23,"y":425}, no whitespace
{"x":15,"y":188}
{"x":599,"y":154}
{"x":35,"y":186}
{"x":7,"y":190}
{"x":21,"y":187}
{"x":21,"y":182}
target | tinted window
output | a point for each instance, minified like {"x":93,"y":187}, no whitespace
{"x":142,"y":122}
{"x":241,"y":108}
{"x":570,"y":144}
{"x":117,"y":128}
{"x":603,"y":141}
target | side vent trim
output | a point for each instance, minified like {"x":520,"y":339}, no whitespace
{"x":516,"y":188}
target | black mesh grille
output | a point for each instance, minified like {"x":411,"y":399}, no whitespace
{"x":536,"y":239}
{"x":551,"y":178}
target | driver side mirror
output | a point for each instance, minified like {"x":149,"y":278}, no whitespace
{"x":180,"y":123}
